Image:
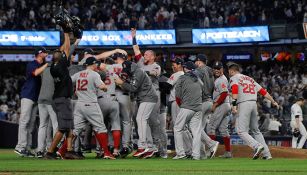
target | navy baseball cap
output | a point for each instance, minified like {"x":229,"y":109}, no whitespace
{"x":217,"y":65}
{"x":189,"y":65}
{"x":90,"y":61}
{"x":201,"y":57}
{"x":178,"y":61}
{"x":40,"y":50}
{"x":88,"y":51}
{"x":119,"y":55}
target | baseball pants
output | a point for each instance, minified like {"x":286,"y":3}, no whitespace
{"x":46,"y":113}
{"x":125,"y":117}
{"x":303,"y":132}
{"x":26,"y":124}
{"x":247,"y":120}
{"x":144,"y":113}
{"x":88,"y":112}
{"x":158,"y":138}
{"x":218,"y":120}
{"x":193,"y":120}
{"x":187,"y":137}
{"x":206,"y":110}
{"x":110,"y":110}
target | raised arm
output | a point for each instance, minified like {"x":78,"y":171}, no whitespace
{"x":135,"y":46}
{"x":106,"y":54}
{"x":66,"y":46}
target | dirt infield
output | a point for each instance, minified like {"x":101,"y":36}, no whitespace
{"x":277,"y":152}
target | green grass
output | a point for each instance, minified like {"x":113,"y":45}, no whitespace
{"x":10,"y":163}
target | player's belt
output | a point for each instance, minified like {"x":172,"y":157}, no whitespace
{"x":125,"y":93}
{"x":105,"y":96}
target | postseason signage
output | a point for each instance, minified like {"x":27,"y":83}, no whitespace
{"x":230,"y":35}
{"x":29,"y":38}
{"x":237,"y":57}
{"x":115,"y":38}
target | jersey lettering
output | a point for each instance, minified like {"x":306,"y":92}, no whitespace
{"x":82,"y":85}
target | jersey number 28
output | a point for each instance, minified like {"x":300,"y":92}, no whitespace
{"x":248,"y":88}
{"x":82,"y":85}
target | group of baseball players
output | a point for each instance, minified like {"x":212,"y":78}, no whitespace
{"x":107,"y":94}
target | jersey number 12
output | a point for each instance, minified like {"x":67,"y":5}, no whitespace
{"x":82,"y":85}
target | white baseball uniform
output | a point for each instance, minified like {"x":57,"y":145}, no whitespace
{"x":296,"y":110}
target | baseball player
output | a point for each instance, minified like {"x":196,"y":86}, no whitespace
{"x":148,"y":64}
{"x":188,"y":92}
{"x":124,"y":103}
{"x":205,"y":76}
{"x":220,"y":108}
{"x":178,"y":71}
{"x":140,"y":84}
{"x":29,"y":95}
{"x":87,"y":108}
{"x":297,"y":123}
{"x":109,"y":105}
{"x":244,"y":94}
{"x":46,"y":112}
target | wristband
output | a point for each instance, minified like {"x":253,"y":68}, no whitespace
{"x":234,"y":102}
{"x":134,"y":41}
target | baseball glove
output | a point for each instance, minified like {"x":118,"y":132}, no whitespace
{"x":296,"y":133}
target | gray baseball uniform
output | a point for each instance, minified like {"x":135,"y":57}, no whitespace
{"x":124,"y":106}
{"x":73,"y":69}
{"x":155,"y":71}
{"x":87,"y":107}
{"x":247,"y":89}
{"x":206,"y":77}
{"x":108,"y":102}
{"x":218,"y":120}
{"x":189,"y":92}
{"x":141,"y":85}
{"x":187,"y":137}
{"x":45,"y":109}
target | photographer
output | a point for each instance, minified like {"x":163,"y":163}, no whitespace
{"x":63,"y":91}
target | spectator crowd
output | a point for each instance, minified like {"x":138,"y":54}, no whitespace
{"x":152,"y":14}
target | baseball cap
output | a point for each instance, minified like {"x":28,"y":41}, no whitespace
{"x":40,"y":50}
{"x":119,"y":55}
{"x":90,"y":61}
{"x":201,"y":57}
{"x":88,"y":51}
{"x":217,"y":65}
{"x":178,"y":61}
{"x":299,"y":98}
{"x":189,"y":65}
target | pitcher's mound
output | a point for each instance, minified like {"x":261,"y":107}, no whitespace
{"x":277,"y":152}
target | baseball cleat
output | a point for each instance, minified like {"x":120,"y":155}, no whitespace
{"x":125,"y":152}
{"x":39,"y":154}
{"x":148,"y":154}
{"x":213,"y":149}
{"x":226,"y":155}
{"x":50,"y":156}
{"x":140,"y":152}
{"x":71,"y":155}
{"x":22,"y":153}
{"x":177,"y":157}
{"x":267,"y":158}
{"x":109,"y":156}
{"x":257,"y":152}
{"x":29,"y":154}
